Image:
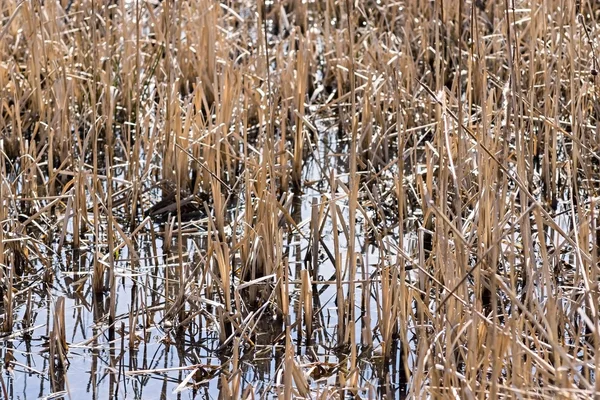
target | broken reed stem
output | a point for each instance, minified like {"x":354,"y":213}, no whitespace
{"x":300,"y":94}
{"x":112,"y":279}
{"x":8,"y":300}
{"x":352,"y":202}
{"x":58,"y":339}
{"x":288,"y":361}
{"x":339,"y":268}
{"x":307,"y":302}
{"x":366,"y":334}
{"x":235,"y":371}
{"x":180,"y":266}
{"x":315,"y":236}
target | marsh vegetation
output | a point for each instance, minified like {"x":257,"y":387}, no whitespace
{"x":299,"y":199}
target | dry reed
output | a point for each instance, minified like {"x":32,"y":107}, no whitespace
{"x":335,"y":198}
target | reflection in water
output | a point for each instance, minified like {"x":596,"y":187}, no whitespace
{"x":154,"y":320}
{"x":168,"y":330}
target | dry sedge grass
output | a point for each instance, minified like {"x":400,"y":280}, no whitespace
{"x":359,"y":198}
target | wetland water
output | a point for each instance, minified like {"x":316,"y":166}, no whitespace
{"x":148,"y":356}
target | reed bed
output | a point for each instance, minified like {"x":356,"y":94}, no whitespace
{"x":299,"y":199}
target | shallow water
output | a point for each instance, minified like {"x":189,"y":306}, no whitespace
{"x":160,"y":358}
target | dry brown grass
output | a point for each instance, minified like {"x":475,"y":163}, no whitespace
{"x":368,"y":199}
